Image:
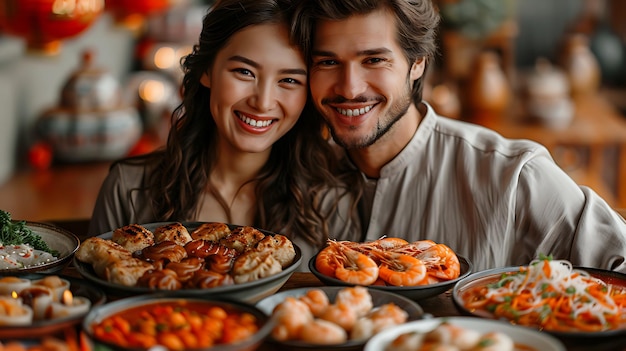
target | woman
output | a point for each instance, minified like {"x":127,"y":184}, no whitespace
{"x":243,"y":147}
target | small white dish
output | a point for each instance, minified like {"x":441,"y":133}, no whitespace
{"x":522,"y":336}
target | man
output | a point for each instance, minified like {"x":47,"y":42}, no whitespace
{"x":496,"y":201}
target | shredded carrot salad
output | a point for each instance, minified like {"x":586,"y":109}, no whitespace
{"x":552,"y":295}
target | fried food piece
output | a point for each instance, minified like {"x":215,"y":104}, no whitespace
{"x":211,"y":231}
{"x":204,"y":279}
{"x":165,"y":251}
{"x":280,"y":246}
{"x":175,"y":232}
{"x":126,"y":272}
{"x":164,"y":279}
{"x":100,"y":253}
{"x":254,"y":265}
{"x":133,"y":237}
{"x":242,"y":238}
{"x":186,"y":267}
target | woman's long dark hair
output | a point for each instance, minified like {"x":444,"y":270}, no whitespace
{"x":301,"y":163}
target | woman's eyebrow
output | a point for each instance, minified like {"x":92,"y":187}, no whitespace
{"x":237,"y":58}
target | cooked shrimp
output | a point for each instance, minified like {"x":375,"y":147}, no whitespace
{"x":384,"y":243}
{"x":441,"y":262}
{"x":363,"y":329}
{"x":341,"y":314}
{"x":389,"y":310}
{"x":377,"y":319}
{"x":290,"y":315}
{"x":356,"y":297}
{"x":326,"y":262}
{"x":317,"y":300}
{"x":414,"y":247}
{"x":323,"y":332}
{"x":400,"y":269}
{"x":355,"y":267}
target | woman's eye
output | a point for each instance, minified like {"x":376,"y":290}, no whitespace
{"x":243,"y":71}
{"x":290,"y":81}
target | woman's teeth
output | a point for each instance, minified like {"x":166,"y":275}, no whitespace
{"x":254,"y":123}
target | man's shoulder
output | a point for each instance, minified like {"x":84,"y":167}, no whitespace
{"x":482,"y":139}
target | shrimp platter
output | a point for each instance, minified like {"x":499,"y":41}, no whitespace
{"x":388,"y":261}
{"x":346,"y":316}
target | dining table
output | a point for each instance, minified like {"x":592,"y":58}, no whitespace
{"x":441,"y":305}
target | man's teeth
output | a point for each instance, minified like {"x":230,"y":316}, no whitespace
{"x":354,"y":112}
{"x":255,"y":123}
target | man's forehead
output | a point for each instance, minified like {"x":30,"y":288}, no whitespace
{"x":358,"y":33}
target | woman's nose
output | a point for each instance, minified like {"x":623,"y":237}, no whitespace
{"x":264,"y":98}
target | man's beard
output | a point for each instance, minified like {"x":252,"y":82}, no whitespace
{"x":384,"y":124}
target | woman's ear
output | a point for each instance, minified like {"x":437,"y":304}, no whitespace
{"x":417,"y":69}
{"x":206,"y":79}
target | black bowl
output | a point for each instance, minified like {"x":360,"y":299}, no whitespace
{"x":99,"y":313}
{"x":412,"y":292}
{"x":379,"y":298}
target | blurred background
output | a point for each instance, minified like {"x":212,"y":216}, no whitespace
{"x":83,"y":82}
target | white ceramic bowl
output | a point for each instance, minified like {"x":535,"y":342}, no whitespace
{"x":520,"y":335}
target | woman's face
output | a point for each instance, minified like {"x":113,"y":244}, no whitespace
{"x":258,"y":88}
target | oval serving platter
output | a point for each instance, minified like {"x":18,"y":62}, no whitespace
{"x":249,"y":291}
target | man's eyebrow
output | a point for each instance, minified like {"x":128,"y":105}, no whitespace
{"x":254,"y":64}
{"x":367,"y":52}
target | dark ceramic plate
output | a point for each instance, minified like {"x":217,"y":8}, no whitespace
{"x":58,"y":239}
{"x":577,"y":338}
{"x":40,"y":329}
{"x":248,"y":292}
{"x":411,"y":292}
{"x":379,"y":298}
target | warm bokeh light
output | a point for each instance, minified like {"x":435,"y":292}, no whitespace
{"x":165,"y":57}
{"x":152,"y":91}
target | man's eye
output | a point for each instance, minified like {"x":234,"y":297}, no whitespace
{"x":326,"y":63}
{"x":374,"y":60}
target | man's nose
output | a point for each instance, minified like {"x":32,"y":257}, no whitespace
{"x":351,"y":82}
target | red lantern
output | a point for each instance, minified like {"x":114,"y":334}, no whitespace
{"x":43,"y":23}
{"x":132,"y":13}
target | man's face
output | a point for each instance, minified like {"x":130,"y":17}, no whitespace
{"x":360,"y":79}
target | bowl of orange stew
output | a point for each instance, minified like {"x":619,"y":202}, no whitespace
{"x":159,"y":322}
{"x":575,"y":304}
